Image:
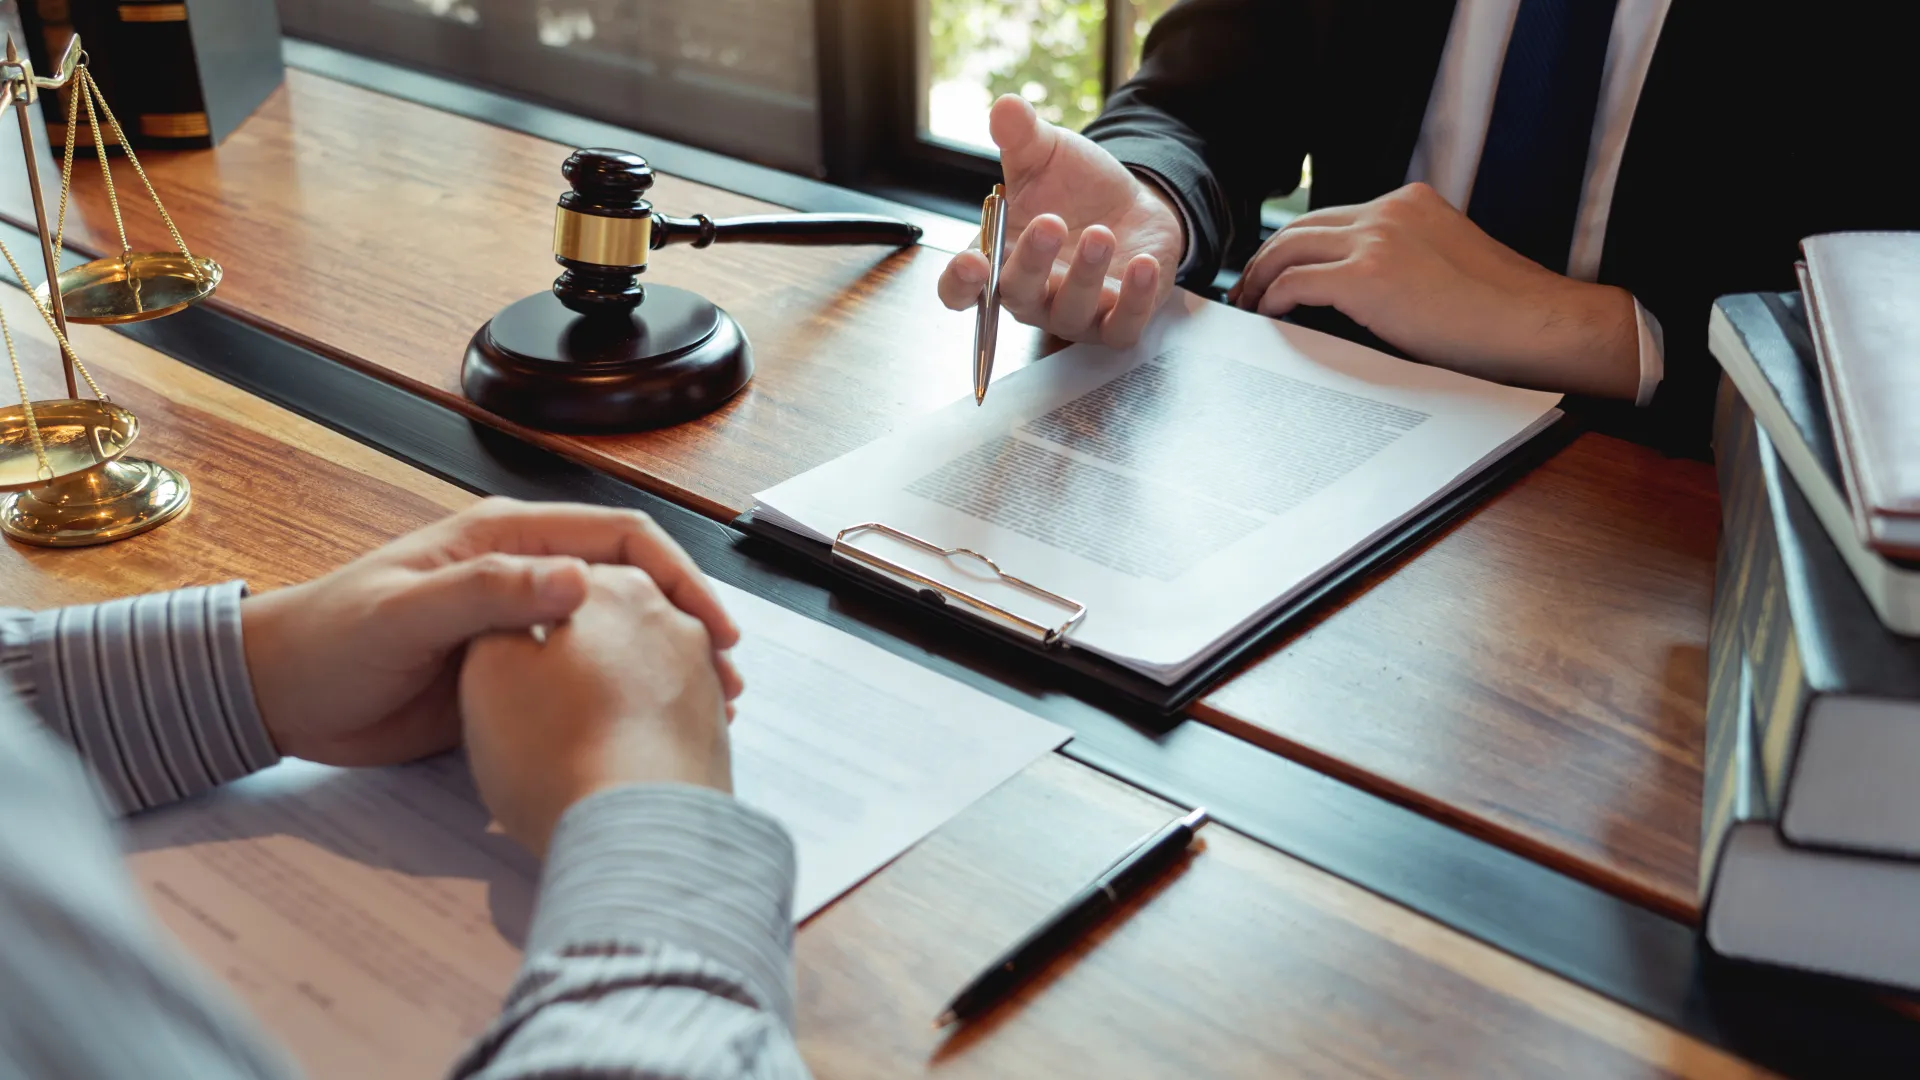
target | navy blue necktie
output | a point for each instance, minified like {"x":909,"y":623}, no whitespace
{"x":1527,"y":191}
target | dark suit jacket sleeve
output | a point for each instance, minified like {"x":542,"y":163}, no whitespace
{"x":1207,"y":114}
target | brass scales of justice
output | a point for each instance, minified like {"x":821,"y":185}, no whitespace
{"x":65,"y":477}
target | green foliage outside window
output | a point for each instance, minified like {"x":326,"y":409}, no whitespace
{"x":1049,"y":51}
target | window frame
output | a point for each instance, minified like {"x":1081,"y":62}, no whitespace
{"x":871,"y":52}
{"x":869,"y":72}
{"x":868,"y":52}
{"x":450,"y":50}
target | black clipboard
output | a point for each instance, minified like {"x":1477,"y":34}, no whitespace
{"x":1099,"y":679}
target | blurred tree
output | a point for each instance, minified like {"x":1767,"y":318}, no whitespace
{"x":1145,"y":14}
{"x":1048,"y":51}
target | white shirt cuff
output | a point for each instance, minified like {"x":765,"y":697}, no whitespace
{"x":1653,"y":353}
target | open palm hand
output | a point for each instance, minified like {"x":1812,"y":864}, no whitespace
{"x":1097,"y":245}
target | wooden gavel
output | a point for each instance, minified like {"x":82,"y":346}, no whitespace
{"x":602,"y":352}
{"x":604,"y":229}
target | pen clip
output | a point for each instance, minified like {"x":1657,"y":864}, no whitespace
{"x":1192,"y":820}
{"x":994,"y":205}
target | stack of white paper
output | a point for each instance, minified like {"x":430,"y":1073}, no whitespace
{"x":1183,"y":489}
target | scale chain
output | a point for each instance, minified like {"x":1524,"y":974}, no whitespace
{"x":66,"y":160}
{"x":46,"y":315}
{"x":26,"y":405}
{"x":89,"y":91}
{"x":133,"y":160}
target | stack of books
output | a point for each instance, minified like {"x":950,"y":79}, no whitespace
{"x":1810,"y":853}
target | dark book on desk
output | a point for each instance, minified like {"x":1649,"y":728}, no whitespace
{"x":178,"y":75}
{"x":1763,"y":342}
{"x":1765,"y":898}
{"x":48,"y":25}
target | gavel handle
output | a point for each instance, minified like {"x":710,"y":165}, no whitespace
{"x":701,"y":230}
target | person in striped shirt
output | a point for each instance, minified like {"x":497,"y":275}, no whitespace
{"x":661,"y":944}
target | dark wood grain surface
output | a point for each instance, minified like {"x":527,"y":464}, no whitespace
{"x":386,"y":234}
{"x":1244,"y":963}
{"x":1247,"y":963}
{"x":1536,"y":675}
{"x":276,"y":500}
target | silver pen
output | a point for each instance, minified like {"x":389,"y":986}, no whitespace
{"x":986,"y":325}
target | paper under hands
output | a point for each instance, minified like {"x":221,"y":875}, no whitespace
{"x":1180,"y":489}
{"x":373,"y":921}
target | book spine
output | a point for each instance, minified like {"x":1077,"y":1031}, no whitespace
{"x":1781,"y":692}
{"x":1727,"y":675}
{"x":59,"y":21}
{"x":47,"y":26}
{"x":1752,"y":622}
{"x":1756,"y":686}
{"x":1721,"y":792}
{"x":156,"y":91}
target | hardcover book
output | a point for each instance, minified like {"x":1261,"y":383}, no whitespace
{"x":1767,"y":895}
{"x":1837,"y":696}
{"x":1860,"y":289}
{"x":180,"y":75}
{"x":1763,"y":342}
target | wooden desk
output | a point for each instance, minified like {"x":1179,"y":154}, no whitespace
{"x":1247,"y":963}
{"x":1535,"y":676}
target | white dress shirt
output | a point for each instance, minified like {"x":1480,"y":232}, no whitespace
{"x":1454,"y":132}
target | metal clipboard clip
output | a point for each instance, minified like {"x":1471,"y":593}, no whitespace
{"x":1045,"y":635}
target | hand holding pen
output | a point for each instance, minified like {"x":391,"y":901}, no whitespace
{"x":1091,"y":246}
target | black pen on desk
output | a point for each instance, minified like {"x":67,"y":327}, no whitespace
{"x":1141,"y":864}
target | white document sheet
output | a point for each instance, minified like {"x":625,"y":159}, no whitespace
{"x":373,"y":919}
{"x":1181,"y":489}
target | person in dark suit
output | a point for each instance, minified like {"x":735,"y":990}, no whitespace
{"x":1543,"y":192}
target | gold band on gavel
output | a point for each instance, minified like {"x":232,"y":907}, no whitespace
{"x":603,"y":241}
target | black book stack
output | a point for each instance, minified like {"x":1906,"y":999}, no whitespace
{"x":179,"y":75}
{"x":1810,"y":853}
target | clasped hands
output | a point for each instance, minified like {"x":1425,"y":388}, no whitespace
{"x":1097,"y":246}
{"x":424,"y":644}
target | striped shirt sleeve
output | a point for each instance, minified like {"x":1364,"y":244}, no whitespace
{"x":661,"y":947}
{"x":90,"y":986}
{"x":152,"y":691}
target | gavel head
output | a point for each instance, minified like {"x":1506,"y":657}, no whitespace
{"x":588,"y":355}
{"x":602,"y":231}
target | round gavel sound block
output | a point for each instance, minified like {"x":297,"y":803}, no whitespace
{"x":601,"y":352}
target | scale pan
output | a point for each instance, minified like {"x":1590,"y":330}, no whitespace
{"x":136,"y":286}
{"x":79,"y":434}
